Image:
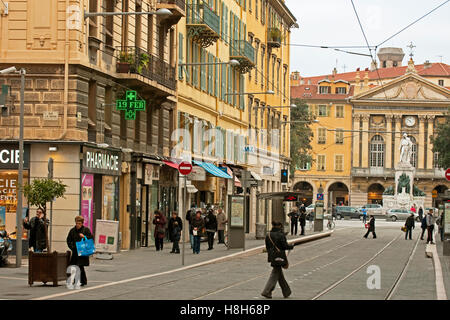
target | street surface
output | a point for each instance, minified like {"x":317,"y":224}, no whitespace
{"x":336,"y":267}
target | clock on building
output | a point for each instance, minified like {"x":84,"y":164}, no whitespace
{"x":410,"y":121}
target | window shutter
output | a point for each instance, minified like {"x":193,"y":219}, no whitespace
{"x":195,"y":68}
{"x":210,"y":75}
{"x":203,"y":69}
{"x":223,"y":21}
{"x":223,"y":69}
{"x":241,"y":90}
{"x":195,"y":135}
{"x":180,"y":56}
{"x":328,"y":110}
{"x":230,"y":89}
{"x":216,"y":78}
{"x":188,"y":57}
{"x":186,"y":133}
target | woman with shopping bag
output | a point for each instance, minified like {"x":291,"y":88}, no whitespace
{"x":77,"y":234}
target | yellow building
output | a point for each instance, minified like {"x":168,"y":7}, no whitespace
{"x":216,"y":100}
{"x":331,"y":143}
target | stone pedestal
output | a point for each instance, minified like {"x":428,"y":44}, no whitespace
{"x":409,"y":171}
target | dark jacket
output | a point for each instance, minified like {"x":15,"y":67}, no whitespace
{"x":38,"y":234}
{"x":410,"y":224}
{"x":189,"y":215}
{"x":160,"y":226}
{"x":72,"y":238}
{"x":302,"y":219}
{"x":211,"y":223}
{"x":424,"y":222}
{"x":199,"y":224}
{"x":175,"y":227}
{"x":372,"y":224}
{"x":280,"y":241}
{"x":302,"y":209}
{"x":294,"y":215}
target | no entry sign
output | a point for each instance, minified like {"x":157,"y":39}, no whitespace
{"x":185,"y":168}
{"x":447,"y":174}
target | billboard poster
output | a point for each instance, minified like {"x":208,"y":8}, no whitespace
{"x":237,"y":211}
{"x":447,"y":218}
{"x":2,"y":218}
{"x":106,"y":236}
{"x":87,"y":199}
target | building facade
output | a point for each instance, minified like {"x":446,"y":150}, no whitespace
{"x":383,"y":105}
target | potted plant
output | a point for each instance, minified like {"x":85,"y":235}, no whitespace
{"x":144,"y":59}
{"x":125,"y":60}
{"x":275,"y":37}
{"x":46,"y":266}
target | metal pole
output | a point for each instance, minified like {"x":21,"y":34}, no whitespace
{"x":19,"y":191}
{"x":186,"y":224}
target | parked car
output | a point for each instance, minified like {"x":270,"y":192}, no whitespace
{"x":400,"y":214}
{"x":345,"y":211}
{"x":310,"y":208}
{"x":373,"y":209}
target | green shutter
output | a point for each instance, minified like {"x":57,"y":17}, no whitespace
{"x":195,"y":59}
{"x":216,"y":78}
{"x":202,"y":69}
{"x":223,"y":69}
{"x":188,"y":60}
{"x":210,"y":74}
{"x":230,"y":88}
{"x":241,"y":90}
{"x":223,"y":21}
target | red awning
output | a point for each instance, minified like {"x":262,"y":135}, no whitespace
{"x":171,"y":164}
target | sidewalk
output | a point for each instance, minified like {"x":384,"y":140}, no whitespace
{"x":445,"y":264}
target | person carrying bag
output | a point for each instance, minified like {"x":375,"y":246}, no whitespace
{"x":276,"y":244}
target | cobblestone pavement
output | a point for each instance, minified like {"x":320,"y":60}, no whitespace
{"x":314,"y":266}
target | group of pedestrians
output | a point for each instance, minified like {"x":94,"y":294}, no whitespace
{"x":298,"y":215}
{"x":427,"y":224}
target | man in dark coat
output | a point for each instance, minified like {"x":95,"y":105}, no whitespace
{"x":198,"y":224}
{"x":294,"y":215}
{"x":211,"y":228}
{"x":175,"y":227}
{"x":423,"y":226}
{"x":409,"y":224}
{"x":371,"y":228}
{"x":276,"y":238}
{"x":75,"y":235}
{"x":38,"y":231}
{"x":189,"y":215}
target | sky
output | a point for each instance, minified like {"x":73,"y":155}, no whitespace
{"x":334,"y":23}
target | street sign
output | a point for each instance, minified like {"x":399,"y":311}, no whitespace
{"x":185,"y":168}
{"x":447,"y":174}
{"x":320,"y":196}
{"x":130,"y":105}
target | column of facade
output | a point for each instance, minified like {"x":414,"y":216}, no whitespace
{"x":388,"y":142}
{"x":365,"y":141}
{"x":421,"y":141}
{"x":356,"y":127}
{"x":397,"y":136}
{"x":430,"y":132}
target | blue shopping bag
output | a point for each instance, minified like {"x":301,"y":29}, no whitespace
{"x":85,"y":247}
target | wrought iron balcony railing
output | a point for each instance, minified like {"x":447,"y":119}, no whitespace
{"x":242,"y":49}
{"x":202,"y":23}
{"x":179,"y":3}
{"x":137,"y":61}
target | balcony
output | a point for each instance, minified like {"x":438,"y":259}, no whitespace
{"x":203,"y":24}
{"x":243,"y":52}
{"x":177,"y":7}
{"x":274,"y":38}
{"x":134,"y":60}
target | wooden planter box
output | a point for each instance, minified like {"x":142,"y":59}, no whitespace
{"x":48,"y":267}
{"x":122,"y":67}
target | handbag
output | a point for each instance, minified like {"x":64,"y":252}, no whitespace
{"x":403,"y":228}
{"x":366,"y":226}
{"x":85,"y":247}
{"x":278,"y":256}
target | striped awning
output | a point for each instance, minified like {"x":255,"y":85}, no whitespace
{"x":212,"y":169}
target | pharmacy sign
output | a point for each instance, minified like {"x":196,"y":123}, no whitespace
{"x":130,"y":105}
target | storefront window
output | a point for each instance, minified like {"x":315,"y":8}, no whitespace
{"x":8,"y":199}
{"x":109,"y":209}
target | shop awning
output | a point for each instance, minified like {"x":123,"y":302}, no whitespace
{"x":171,"y":164}
{"x":237,"y":182}
{"x":255,"y":176}
{"x":212,"y":169}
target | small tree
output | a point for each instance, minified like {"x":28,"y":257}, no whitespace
{"x":441,"y":142}
{"x":42,"y":191}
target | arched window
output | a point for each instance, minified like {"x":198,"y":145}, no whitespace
{"x":414,"y":152}
{"x":377,"y":151}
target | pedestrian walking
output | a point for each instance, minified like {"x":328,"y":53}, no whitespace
{"x":333,"y":211}
{"x":198,"y":225}
{"x":221,"y":223}
{"x":364,"y":212}
{"x":410,"y":225}
{"x":211,"y":228}
{"x":430,"y":226}
{"x":371,"y":227}
{"x":441,"y":223}
{"x":276,"y":244}
{"x":159,"y":221}
{"x":189,"y":215}
{"x":175,"y":226}
{"x":420,"y":213}
{"x":294,"y":215}
{"x":423,"y":226}
{"x":75,"y":235}
{"x":38,"y":231}
{"x":302,"y":219}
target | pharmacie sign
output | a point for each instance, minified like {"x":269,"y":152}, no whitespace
{"x":102,"y":161}
{"x":9,"y":156}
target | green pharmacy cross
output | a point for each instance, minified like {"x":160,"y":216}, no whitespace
{"x":130,"y":105}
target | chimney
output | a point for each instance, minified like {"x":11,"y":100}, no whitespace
{"x":366,"y":77}
{"x":373,"y":65}
{"x":427,"y":64}
{"x":357,"y":78}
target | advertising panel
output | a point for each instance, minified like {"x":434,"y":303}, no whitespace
{"x":106,"y":236}
{"x":87,"y":199}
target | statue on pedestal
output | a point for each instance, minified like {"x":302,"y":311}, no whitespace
{"x":405,"y":150}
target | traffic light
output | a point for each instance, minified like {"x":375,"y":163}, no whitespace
{"x":284,"y":176}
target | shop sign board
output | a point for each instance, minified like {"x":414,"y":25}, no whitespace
{"x":106,"y":236}
{"x":9,"y":156}
{"x":197,"y":174}
{"x":87,"y":199}
{"x":102,"y":161}
{"x":130,"y":105}
{"x":151,"y":172}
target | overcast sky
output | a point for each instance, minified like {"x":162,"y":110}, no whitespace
{"x":334,"y":23}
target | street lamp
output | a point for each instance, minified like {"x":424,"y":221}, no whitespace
{"x":22,"y":73}
{"x":160,"y":12}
